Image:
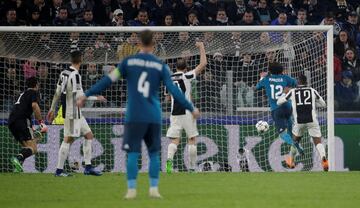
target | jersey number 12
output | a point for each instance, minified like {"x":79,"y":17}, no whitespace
{"x":276,"y":91}
{"x":143,"y":85}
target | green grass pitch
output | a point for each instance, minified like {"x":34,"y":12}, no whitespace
{"x":185,"y":190}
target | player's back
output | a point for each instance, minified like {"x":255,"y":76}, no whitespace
{"x":274,"y":87}
{"x":144,"y":73}
{"x":23,"y":106}
{"x":70,"y":82}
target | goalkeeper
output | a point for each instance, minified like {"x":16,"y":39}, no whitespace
{"x":276,"y":84}
{"x":20,"y":123}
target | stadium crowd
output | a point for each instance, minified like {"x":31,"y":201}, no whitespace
{"x":342,"y":14}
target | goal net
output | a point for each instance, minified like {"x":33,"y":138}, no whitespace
{"x":224,"y":92}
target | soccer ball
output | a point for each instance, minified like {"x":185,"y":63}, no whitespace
{"x":262,"y":126}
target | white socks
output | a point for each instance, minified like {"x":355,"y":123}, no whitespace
{"x":87,"y":151}
{"x":171,"y":151}
{"x":321,"y":149}
{"x":192,"y":154}
{"x":63,"y":154}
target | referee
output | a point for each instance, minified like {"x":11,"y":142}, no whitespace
{"x":20,"y":122}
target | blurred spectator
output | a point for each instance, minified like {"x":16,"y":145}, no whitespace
{"x":189,"y":5}
{"x":211,"y":8}
{"x":44,"y":8}
{"x":55,"y":8}
{"x":142,"y":19}
{"x":208,"y":39}
{"x":341,"y":43}
{"x":341,"y":9}
{"x":158,"y":9}
{"x":236,"y":10}
{"x":76,"y":9}
{"x":21,"y":10}
{"x":118,"y":18}
{"x":209,"y":90}
{"x":91,"y":76}
{"x":346,"y":93}
{"x":301,"y":18}
{"x":221,"y":18}
{"x":236,"y":40}
{"x":246,"y":77}
{"x":34,"y":18}
{"x":337,"y":68}
{"x":329,"y":19}
{"x":289,"y":9}
{"x":192,"y":18}
{"x":29,"y":67}
{"x":102,"y":12}
{"x":352,"y":63}
{"x":88,"y":19}
{"x":159,"y":44}
{"x":62,"y":19}
{"x":45,"y":83}
{"x":11,"y":19}
{"x":10,"y":89}
{"x":102,"y":45}
{"x":264,"y":13}
{"x":350,"y":26}
{"x":281,"y":19}
{"x":129,"y":47}
{"x":248,"y":18}
{"x":358,"y":40}
{"x":169,"y":20}
{"x":89,"y":54}
{"x":46,"y":43}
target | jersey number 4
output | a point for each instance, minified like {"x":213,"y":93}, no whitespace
{"x":143,"y":85}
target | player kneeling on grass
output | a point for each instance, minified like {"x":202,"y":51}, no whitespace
{"x":304,"y":100}
{"x":69,"y":88}
{"x":180,"y":117}
{"x":20,"y":122}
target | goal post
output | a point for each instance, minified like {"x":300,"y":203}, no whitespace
{"x":224,"y":92}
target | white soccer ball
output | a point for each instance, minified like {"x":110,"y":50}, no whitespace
{"x":262,"y":126}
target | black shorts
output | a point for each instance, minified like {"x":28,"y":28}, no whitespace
{"x":136,"y":132}
{"x":21,"y":130}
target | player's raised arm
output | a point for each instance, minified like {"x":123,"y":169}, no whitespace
{"x":176,"y":93}
{"x":203,"y":60}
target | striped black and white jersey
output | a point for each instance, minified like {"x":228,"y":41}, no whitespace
{"x":183,"y":81}
{"x":70,"y":87}
{"x":304,"y":101}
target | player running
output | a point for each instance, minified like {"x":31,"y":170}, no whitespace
{"x":68,"y":89}
{"x":275,"y":84}
{"x":144,"y":73}
{"x":20,"y":123}
{"x":181,"y":118}
{"x":304,"y":100}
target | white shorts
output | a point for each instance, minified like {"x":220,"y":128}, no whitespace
{"x":76,"y":127}
{"x":180,"y":122}
{"x":313,"y":129}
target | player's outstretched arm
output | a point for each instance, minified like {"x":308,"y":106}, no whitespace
{"x":319,"y":100}
{"x":37,"y":114}
{"x":203,"y":60}
{"x":99,"y":86}
{"x":50,"y":116}
{"x":283,"y":99}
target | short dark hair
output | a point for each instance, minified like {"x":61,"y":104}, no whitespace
{"x":76,"y":57}
{"x":181,"y":64}
{"x":146,"y":38}
{"x":31,"y":82}
{"x":302,"y":79}
{"x":63,"y":8}
{"x":276,"y":68}
{"x":301,"y":10}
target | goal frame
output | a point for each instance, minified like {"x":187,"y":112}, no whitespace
{"x":328,"y":29}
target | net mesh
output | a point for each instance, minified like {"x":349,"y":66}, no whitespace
{"x":224,"y":93}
